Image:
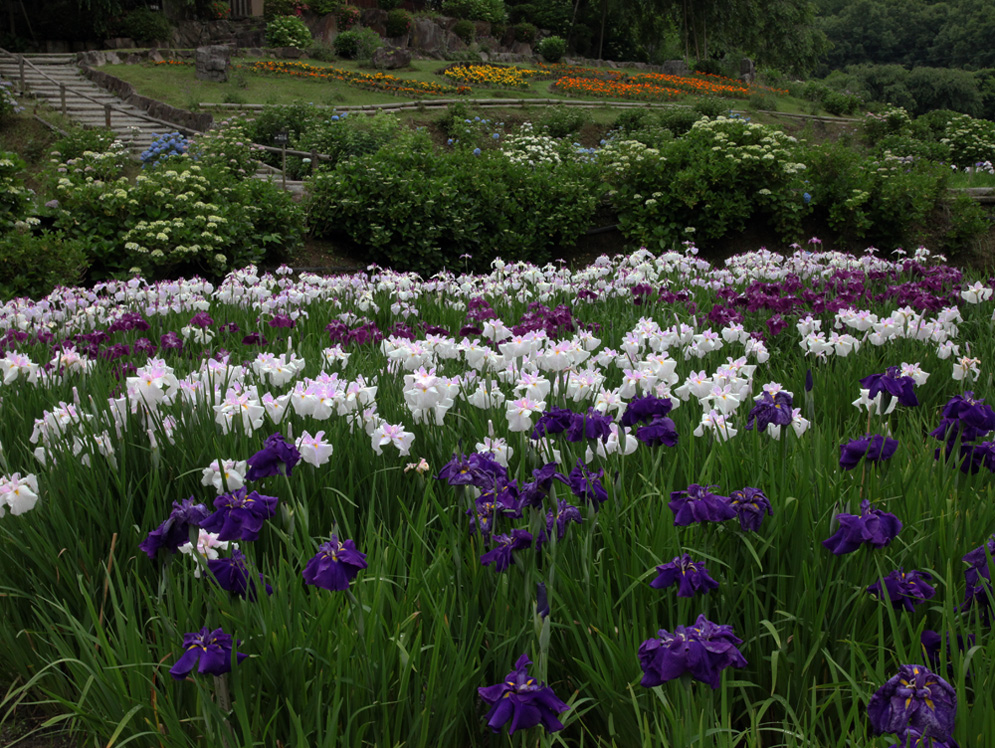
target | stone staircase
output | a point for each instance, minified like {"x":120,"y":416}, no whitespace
{"x":56,"y":80}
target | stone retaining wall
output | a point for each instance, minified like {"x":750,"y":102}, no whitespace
{"x":200,"y":121}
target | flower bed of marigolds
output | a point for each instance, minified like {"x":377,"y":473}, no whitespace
{"x":650,"y":502}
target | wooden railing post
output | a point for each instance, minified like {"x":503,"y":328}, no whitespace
{"x":107,"y":115}
{"x":20,"y":70}
{"x":62,"y":98}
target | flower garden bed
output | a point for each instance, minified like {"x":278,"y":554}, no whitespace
{"x":382,"y":509}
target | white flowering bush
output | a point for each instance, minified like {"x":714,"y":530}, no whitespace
{"x":227,"y":146}
{"x":723,"y":172}
{"x":971,"y":140}
{"x":288,"y":31}
{"x":15,"y":198}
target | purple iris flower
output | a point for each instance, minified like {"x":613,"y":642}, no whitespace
{"x":254,"y":338}
{"x":281,"y":320}
{"x":660,"y":430}
{"x":703,"y":650}
{"x":914,"y":699}
{"x":170,"y":341}
{"x":500,"y":555}
{"x":146,"y":346}
{"x":978,"y":577}
{"x":699,"y":504}
{"x":590,"y":425}
{"x":770,"y":409}
{"x":904,"y":589}
{"x":233,"y":574}
{"x":335,"y":565}
{"x":239,"y":515}
{"x":645,"y":409}
{"x":893,"y":385}
{"x":277,"y":457}
{"x":876,"y":448}
{"x":586,"y":484}
{"x":751,"y":506}
{"x":535,"y":491}
{"x":521,"y":702}
{"x":201,"y":320}
{"x":691,"y":577}
{"x":967,"y":418}
{"x":873,"y":526}
{"x":565,"y":514}
{"x":209,"y":651}
{"x":477,"y":469}
{"x":976,"y":456}
{"x":175,"y":531}
{"x":553,"y":421}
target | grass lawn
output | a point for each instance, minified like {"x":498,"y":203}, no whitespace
{"x":178,"y":86}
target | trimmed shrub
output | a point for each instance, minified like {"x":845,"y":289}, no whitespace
{"x":841,"y":103}
{"x":552,"y":48}
{"x":492,"y":11}
{"x":357,"y":44}
{"x":15,"y":198}
{"x":288,"y":31}
{"x":146,"y":25}
{"x":398,"y":22}
{"x":346,"y":17}
{"x":525,"y":32}
{"x":465,"y":30}
{"x":32,"y":265}
{"x":324,"y":7}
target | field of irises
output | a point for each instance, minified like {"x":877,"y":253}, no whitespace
{"x":652,"y":502}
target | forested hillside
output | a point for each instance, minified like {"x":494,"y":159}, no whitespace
{"x":928,"y":33}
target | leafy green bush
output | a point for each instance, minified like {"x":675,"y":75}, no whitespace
{"x":324,"y":7}
{"x":561,"y":121}
{"x":414,"y":209}
{"x":709,"y":67}
{"x":877,"y":126}
{"x":345,"y":137}
{"x":15,"y":198}
{"x":321,"y":51}
{"x":398,"y":22}
{"x":357,"y":44}
{"x":32,"y":265}
{"x":525,"y":32}
{"x":908,"y":146}
{"x":274,"y":8}
{"x":188,"y":218}
{"x":721,"y":174}
{"x":971,"y":140}
{"x":78,"y":140}
{"x":841,"y":103}
{"x":552,"y":48}
{"x":710,"y":106}
{"x":146,"y":25}
{"x":492,"y":11}
{"x":347,"y":16}
{"x":465,"y":30}
{"x":9,"y":105}
{"x":288,"y":31}
{"x":887,"y":201}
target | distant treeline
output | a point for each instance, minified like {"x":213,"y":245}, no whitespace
{"x":912,"y":33}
